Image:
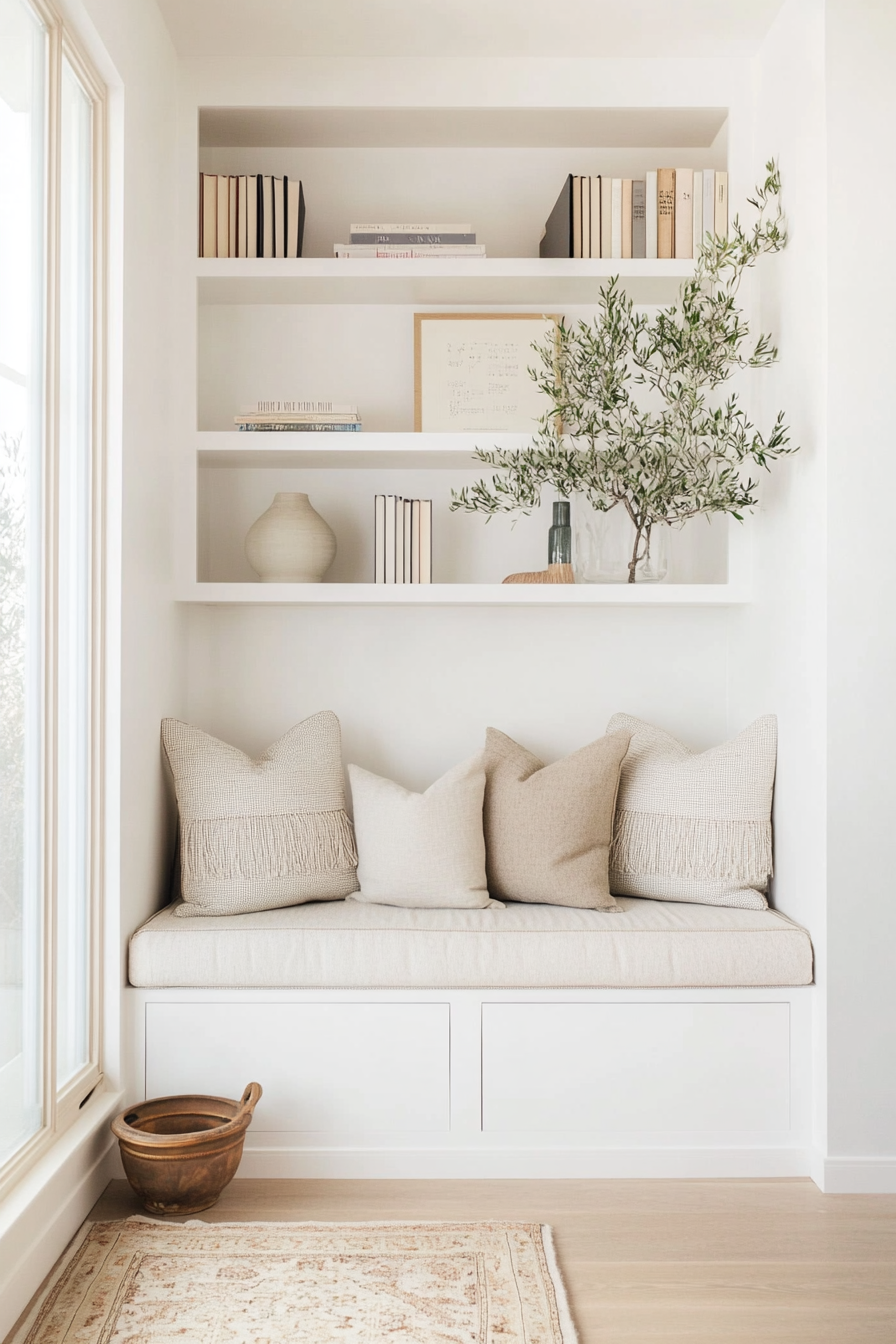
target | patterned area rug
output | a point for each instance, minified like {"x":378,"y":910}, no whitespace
{"x":147,"y":1282}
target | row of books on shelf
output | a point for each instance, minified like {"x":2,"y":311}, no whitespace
{"x":402,"y":548}
{"x":663,"y":215}
{"x":410,"y":240}
{"x":253,"y":215}
{"x":304,"y":416}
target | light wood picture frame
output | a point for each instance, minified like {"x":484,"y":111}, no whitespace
{"x":471,"y":374}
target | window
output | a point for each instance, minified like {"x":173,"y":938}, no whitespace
{"x":51,"y":183}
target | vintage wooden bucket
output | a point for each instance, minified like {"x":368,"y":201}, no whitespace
{"x":179,"y":1153}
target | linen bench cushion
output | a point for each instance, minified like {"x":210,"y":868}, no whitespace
{"x":346,"y":945}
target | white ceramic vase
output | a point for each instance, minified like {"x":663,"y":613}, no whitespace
{"x":290,"y":543}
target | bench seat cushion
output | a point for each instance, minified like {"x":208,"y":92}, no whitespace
{"x":346,"y":945}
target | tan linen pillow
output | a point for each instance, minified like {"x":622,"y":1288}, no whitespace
{"x":421,"y":850}
{"x":257,"y":835}
{"x":548,"y":827}
{"x":695,"y":826}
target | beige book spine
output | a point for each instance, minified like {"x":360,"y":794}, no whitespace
{"x":616,"y":227}
{"x":596,"y":250}
{"x":721,"y":211}
{"x":223,"y":215}
{"x":684,"y":213}
{"x":606,"y":216}
{"x":577,"y":217}
{"x":626,"y":217}
{"x":665,"y":213}
{"x":232,"y":217}
{"x":698,"y":211}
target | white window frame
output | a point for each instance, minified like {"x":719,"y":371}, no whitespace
{"x":60,"y":1107}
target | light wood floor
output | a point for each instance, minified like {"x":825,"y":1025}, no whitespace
{"x":649,"y":1262}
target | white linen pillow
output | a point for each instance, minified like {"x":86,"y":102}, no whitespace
{"x":421,"y":850}
{"x":694,"y":826}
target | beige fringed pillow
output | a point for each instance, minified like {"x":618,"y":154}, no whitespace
{"x":257,"y":835}
{"x":548,"y":827}
{"x":694,"y":826}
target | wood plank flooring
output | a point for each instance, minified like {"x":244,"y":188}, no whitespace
{"x":649,"y":1262}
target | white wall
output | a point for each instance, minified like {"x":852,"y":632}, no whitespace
{"x":136,"y":58}
{"x":778,"y":643}
{"x":861,"y":113}
{"x":415,"y":689}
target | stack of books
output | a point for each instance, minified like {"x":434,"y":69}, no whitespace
{"x":402,"y":550}
{"x":663,"y":215}
{"x":250,"y":216}
{"x":326,"y":416}
{"x":410,"y":240}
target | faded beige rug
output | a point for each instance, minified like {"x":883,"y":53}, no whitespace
{"x":147,"y":1282}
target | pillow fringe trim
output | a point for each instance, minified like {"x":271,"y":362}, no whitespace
{"x":699,"y":848}
{"x":277,"y":845}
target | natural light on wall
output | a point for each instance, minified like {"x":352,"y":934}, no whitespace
{"x":50,"y":551}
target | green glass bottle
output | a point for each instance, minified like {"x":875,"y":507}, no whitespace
{"x":560,"y":535}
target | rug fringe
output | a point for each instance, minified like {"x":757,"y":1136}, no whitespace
{"x":568,"y":1333}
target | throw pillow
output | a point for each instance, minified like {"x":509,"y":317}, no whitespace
{"x":256,"y":835}
{"x":548,"y":827}
{"x":695,"y":826}
{"x":421,"y":849}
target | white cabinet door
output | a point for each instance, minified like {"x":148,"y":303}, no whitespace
{"x":329,"y":1066}
{"x":695,"y":1067}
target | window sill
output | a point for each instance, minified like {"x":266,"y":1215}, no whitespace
{"x":44,"y":1208}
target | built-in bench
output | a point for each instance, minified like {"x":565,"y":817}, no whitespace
{"x":665,"y":1039}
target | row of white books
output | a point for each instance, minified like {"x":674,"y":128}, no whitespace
{"x":402,"y":241}
{"x":663,"y":215}
{"x":402,"y":548}
{"x":299,"y":415}
{"x":253,"y":215}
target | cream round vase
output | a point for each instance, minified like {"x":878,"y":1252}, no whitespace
{"x":290,"y":543}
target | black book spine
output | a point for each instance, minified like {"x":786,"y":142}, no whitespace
{"x":301,"y":220}
{"x":285,"y":215}
{"x":558,"y":239}
{"x":259,"y":218}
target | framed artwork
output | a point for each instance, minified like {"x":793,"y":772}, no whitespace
{"x":471,"y":371}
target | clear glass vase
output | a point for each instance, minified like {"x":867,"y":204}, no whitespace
{"x":603,"y":546}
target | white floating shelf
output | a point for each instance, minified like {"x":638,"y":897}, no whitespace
{"x":460,"y":127}
{"x":223,"y":448}
{"x":453,"y":280}
{"x":467,"y":594}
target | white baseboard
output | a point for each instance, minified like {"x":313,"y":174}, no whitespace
{"x":858,"y":1176}
{"x":522,"y":1163}
{"x":44,"y":1210}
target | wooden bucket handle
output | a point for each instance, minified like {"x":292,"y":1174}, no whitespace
{"x":249,"y":1100}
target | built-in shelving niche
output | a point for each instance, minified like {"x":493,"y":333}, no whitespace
{"x":343,"y":330}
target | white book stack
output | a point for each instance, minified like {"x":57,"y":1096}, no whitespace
{"x":402,"y":550}
{"x":298,"y":415}
{"x":401,"y":241}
